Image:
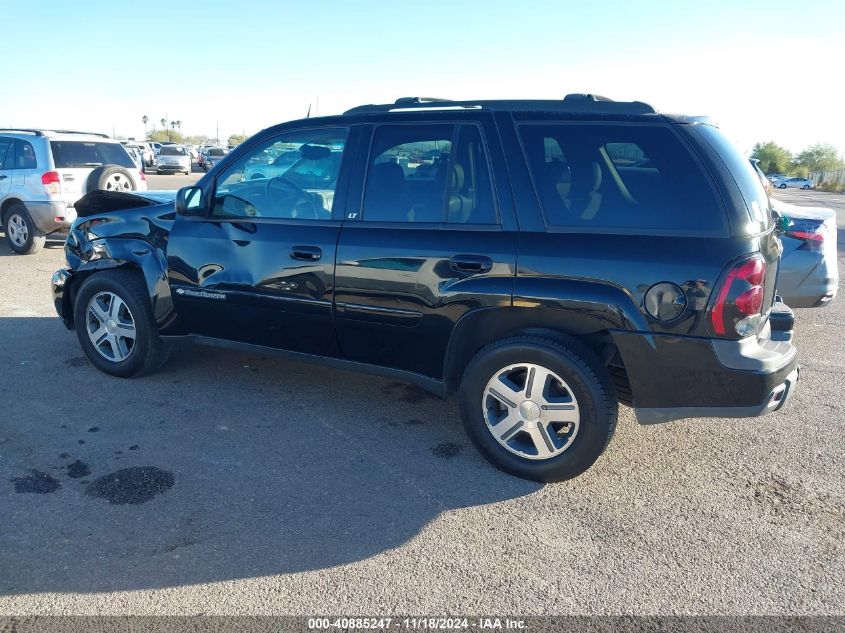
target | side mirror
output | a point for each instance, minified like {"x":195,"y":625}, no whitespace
{"x":189,"y":201}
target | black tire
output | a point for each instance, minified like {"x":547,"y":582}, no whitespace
{"x":781,"y":186}
{"x":18,"y":216}
{"x":806,"y":187}
{"x":112,"y":178}
{"x":149,"y":351}
{"x":583,"y":372}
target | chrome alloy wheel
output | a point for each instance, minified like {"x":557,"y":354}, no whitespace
{"x":110,"y":326}
{"x":18,"y":232}
{"x":118,"y":182}
{"x":531,"y":411}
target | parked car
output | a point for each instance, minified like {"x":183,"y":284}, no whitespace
{"x":774,"y":177}
{"x":173,"y":158}
{"x":43,"y":173}
{"x":212,"y":156}
{"x":557,"y":258}
{"x":192,"y":150}
{"x":147,"y":152}
{"x":808,"y":276}
{"x":794,"y":183}
{"x":156,"y":148}
{"x":135,"y":153}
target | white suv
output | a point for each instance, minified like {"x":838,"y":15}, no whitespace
{"x":43,"y":173}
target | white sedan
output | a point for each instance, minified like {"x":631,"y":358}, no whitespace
{"x":797,"y":183}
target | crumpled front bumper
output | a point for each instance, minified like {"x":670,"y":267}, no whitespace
{"x":60,"y":285}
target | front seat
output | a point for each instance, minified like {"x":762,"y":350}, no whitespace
{"x":385,"y":197}
{"x":460,"y":204}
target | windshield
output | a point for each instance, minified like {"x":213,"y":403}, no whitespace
{"x":217,"y":152}
{"x":172,"y":150}
{"x":89,"y":154}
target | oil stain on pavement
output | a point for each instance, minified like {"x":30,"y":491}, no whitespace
{"x":131,"y":485}
{"x":37,"y":483}
{"x":78,"y":469}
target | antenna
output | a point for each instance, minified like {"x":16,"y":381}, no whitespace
{"x":308,"y":115}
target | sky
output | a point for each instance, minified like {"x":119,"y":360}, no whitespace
{"x":763,"y":70}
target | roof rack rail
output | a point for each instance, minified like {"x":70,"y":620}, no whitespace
{"x":415,"y":100}
{"x":575,"y":103}
{"x":100,"y":134}
{"x":22,"y":129}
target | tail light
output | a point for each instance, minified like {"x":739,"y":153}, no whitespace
{"x":52,"y":183}
{"x":810,"y":232}
{"x":739,"y":300}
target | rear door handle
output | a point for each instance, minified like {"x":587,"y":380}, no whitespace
{"x":3,"y":176}
{"x":471,"y":263}
{"x":306,"y":253}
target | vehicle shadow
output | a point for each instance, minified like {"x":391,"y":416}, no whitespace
{"x":54,"y":241}
{"x":219,"y":466}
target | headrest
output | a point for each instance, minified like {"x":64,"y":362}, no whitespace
{"x":387,"y":176}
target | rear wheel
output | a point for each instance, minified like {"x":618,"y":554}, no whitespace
{"x":115,"y":324}
{"x":21,"y":233}
{"x":806,"y":187}
{"x":538,"y":408}
{"x":781,"y":186}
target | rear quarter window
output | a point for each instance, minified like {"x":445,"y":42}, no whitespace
{"x":756,"y":199}
{"x":618,"y":177}
{"x":69,"y":154}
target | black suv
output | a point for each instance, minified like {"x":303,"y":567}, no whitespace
{"x":543,"y":260}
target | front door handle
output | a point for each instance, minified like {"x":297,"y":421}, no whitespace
{"x":306,"y":253}
{"x":471,"y":263}
{"x":3,"y":176}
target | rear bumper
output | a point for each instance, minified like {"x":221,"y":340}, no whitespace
{"x":674,"y":377}
{"x":51,"y":215}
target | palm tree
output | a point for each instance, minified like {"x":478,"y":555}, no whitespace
{"x":145,"y":119}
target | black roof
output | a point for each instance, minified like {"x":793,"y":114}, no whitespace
{"x":575,"y":103}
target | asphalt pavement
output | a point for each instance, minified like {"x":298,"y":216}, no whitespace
{"x":229,"y":483}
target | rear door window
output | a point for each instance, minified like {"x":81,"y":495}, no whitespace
{"x":69,"y":154}
{"x":25,"y":155}
{"x":7,"y":153}
{"x":619,"y":177}
{"x":432,"y":173}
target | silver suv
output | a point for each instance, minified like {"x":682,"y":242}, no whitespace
{"x":43,"y":173}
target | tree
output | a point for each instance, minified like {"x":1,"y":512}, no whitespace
{"x":166,"y":135}
{"x":164,"y":122}
{"x":237,"y":139}
{"x":145,"y":119}
{"x":773,"y":158}
{"x":819,"y":157}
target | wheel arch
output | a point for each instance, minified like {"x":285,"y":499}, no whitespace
{"x":135,"y":255}
{"x":7,"y":204}
{"x":558,"y":308}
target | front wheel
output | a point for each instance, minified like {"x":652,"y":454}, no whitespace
{"x":538,"y":408}
{"x":806,"y":187}
{"x":115,"y":324}
{"x":781,"y":186}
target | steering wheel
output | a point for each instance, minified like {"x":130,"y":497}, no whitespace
{"x":301,"y":199}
